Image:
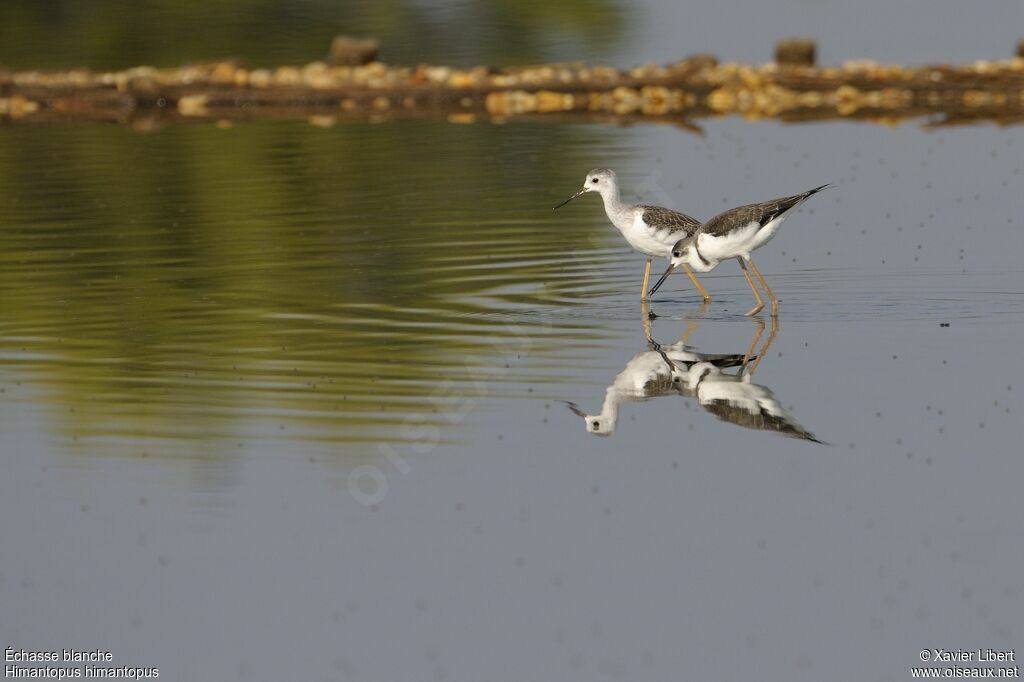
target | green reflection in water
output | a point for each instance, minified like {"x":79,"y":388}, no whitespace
{"x":111,"y":34}
{"x":189,"y":290}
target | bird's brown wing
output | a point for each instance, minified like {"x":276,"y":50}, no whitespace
{"x":674,"y":221}
{"x":762,"y":213}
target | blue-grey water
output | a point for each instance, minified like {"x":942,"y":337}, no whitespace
{"x":285,"y":402}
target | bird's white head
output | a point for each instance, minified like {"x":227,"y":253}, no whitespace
{"x":600,"y":180}
{"x":683,"y":251}
{"x":597,"y":424}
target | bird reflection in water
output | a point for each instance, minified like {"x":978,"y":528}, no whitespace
{"x":678,"y":369}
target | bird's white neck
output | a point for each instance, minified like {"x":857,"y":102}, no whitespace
{"x":701,"y":265}
{"x":610,"y":407}
{"x":613,"y":205}
{"x":700,"y":260}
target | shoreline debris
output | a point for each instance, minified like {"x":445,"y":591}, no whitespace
{"x":353,"y":86}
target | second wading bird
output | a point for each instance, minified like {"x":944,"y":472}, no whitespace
{"x":678,"y":369}
{"x":651,"y":230}
{"x":734,"y":234}
{"x":659,"y":370}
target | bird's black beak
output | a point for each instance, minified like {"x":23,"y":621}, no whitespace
{"x":575,"y":409}
{"x":571,"y":198}
{"x":657,"y":285}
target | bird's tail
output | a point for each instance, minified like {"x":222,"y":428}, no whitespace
{"x":801,"y":198}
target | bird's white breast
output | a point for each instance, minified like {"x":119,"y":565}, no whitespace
{"x":742,"y":394}
{"x":638,"y":372}
{"x":738,"y":242}
{"x":767,"y":232}
{"x":648,"y":240}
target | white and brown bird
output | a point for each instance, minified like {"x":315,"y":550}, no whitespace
{"x":735,"y":399}
{"x":651,"y":230}
{"x":657,"y":371}
{"x":678,"y":369}
{"x":735,"y":234}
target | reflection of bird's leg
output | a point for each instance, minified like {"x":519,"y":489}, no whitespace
{"x":647,"y":279}
{"x":767,"y":344}
{"x":753,"y":344}
{"x":696,"y":283}
{"x":645,"y":315}
{"x":692,"y":324}
{"x":649,"y":335}
{"x":760,"y":302}
{"x":767,"y":289}
{"x":664,"y":356}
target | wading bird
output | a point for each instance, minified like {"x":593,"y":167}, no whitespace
{"x":734,"y":234}
{"x":651,"y":230}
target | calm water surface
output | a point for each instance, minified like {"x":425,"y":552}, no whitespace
{"x":283,"y":402}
